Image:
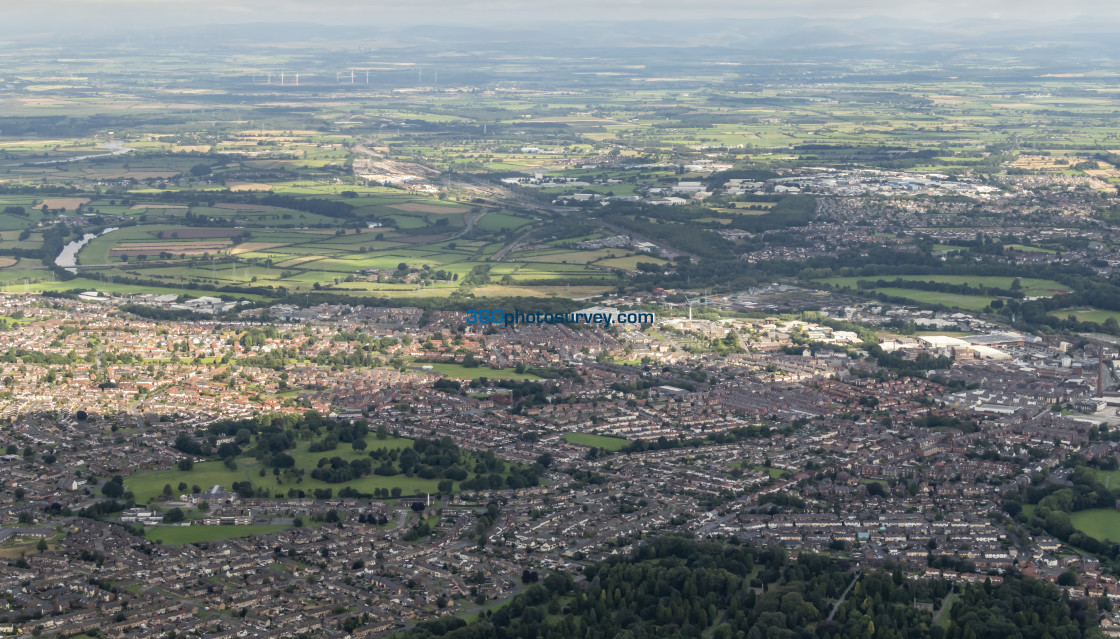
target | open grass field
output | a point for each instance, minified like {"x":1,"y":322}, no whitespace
{"x":630,"y":263}
{"x":1099,"y":523}
{"x":596,"y":441}
{"x":774,"y":473}
{"x":1111,"y":479}
{"x":968,"y":302}
{"x":147,"y":486}
{"x":179,"y":535}
{"x":459,"y":371}
{"x":293,"y":258}
{"x":1087,"y":315}
{"x":24,"y":549}
{"x":1031,"y":286}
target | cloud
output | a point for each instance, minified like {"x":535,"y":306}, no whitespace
{"x":100,"y":14}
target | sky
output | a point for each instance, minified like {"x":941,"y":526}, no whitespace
{"x":43,"y":15}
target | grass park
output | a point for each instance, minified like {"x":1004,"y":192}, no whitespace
{"x":179,"y":535}
{"x":149,"y":485}
{"x":1088,"y":315}
{"x":1099,"y":523}
{"x":458,"y":371}
{"x":596,"y":441}
{"x":1030,"y":287}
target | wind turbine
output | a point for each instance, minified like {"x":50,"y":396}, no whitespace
{"x":701,"y":301}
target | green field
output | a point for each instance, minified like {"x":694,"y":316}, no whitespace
{"x":1110,"y":478}
{"x":462,"y":372}
{"x":1088,"y":315}
{"x":774,"y":473}
{"x":1031,"y":286}
{"x":179,"y":535}
{"x":596,"y":441}
{"x":969,"y":302}
{"x":1099,"y":523}
{"x":147,"y":486}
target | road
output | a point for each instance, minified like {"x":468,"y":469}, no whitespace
{"x":944,"y":606}
{"x":501,"y":253}
{"x":845,"y":595}
{"x":470,"y":219}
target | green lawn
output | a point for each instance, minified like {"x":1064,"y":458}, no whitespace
{"x":461,"y":372}
{"x":597,"y":441}
{"x":774,"y":473}
{"x":1087,"y":315}
{"x":945,"y":616}
{"x":969,"y":302}
{"x":1104,"y":475}
{"x":1030,"y":249}
{"x":147,"y":486}
{"x":1099,"y":523}
{"x":1031,"y":286}
{"x":178,"y":535}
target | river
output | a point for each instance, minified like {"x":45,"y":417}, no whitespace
{"x":114,"y":147}
{"x":68,"y":258}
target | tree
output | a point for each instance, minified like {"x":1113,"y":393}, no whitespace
{"x":112,"y":489}
{"x":298,"y":522}
{"x":81,"y":416}
{"x":445,"y":486}
{"x":41,"y":546}
{"x":395,"y":492}
{"x":174,"y":516}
